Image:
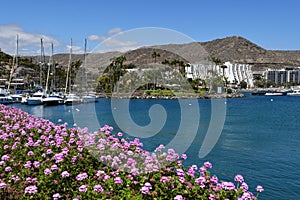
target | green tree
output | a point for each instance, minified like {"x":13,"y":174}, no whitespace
{"x":155,"y":55}
{"x":243,"y":84}
{"x":223,"y":67}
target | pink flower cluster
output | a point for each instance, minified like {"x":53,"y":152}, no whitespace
{"x":40,"y":158}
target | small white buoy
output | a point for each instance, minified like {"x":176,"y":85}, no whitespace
{"x":271,"y":100}
{"x":190,"y":104}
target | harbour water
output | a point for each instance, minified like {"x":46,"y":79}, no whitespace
{"x":259,"y":139}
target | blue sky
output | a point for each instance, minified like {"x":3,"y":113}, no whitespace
{"x":268,"y":23}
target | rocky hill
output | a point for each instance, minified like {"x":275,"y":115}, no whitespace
{"x":235,"y":49}
{"x":239,"y":50}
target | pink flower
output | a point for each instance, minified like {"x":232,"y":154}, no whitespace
{"x":244,"y":186}
{"x":178,"y":197}
{"x":228,"y":186}
{"x":259,"y":188}
{"x":54,"y":167}
{"x":65,"y":174}
{"x":56,"y":196}
{"x":148,"y":185}
{"x":208,"y":164}
{"x":31,"y":189}
{"x":184,"y":156}
{"x":8,"y":169}
{"x":164,"y":179}
{"x":29,"y":180}
{"x":3,"y":185}
{"x":5,"y":157}
{"x":81,"y":177}
{"x":120,"y":134}
{"x":203,"y":169}
{"x":179,"y":172}
{"x":201,"y":181}
{"x":100,"y":172}
{"x":30,"y":153}
{"x":239,"y":178}
{"x":118,"y":180}
{"x":15,"y":178}
{"x":47,"y":171}
{"x":36,"y":164}
{"x":49,"y":151}
{"x":34,"y":180}
{"x":98,"y":188}
{"x":214,"y":179}
{"x":144,"y":190}
{"x":181,"y":179}
{"x":27,"y":164}
{"x":58,"y":157}
{"x":82,"y":188}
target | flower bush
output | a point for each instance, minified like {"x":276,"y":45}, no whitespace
{"x":42,"y":160}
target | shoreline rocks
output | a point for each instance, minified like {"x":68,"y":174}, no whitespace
{"x":188,"y":96}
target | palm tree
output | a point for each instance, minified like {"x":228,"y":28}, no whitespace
{"x":165,"y":62}
{"x":216,"y":60}
{"x":155,"y":55}
{"x":115,"y":69}
{"x":225,"y":78}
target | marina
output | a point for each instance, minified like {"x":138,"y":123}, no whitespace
{"x":259,"y":138}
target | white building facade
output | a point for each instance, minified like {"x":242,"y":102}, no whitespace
{"x":290,"y":75}
{"x":235,"y":72}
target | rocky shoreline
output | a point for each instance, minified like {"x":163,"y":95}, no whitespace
{"x":145,"y":96}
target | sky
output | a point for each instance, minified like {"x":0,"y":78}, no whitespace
{"x":273,"y":25}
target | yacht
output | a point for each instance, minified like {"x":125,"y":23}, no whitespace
{"x":53,"y":99}
{"x":274,"y":94}
{"x":36,"y":99}
{"x":72,"y":99}
{"x":89,"y":98}
{"x":17,"y":98}
{"x":4,"y":97}
{"x":294,"y":93}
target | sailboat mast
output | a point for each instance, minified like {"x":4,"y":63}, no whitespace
{"x":14,"y":64}
{"x":42,"y":62}
{"x":49,"y":67}
{"x":84,"y":64}
{"x":68,"y":70}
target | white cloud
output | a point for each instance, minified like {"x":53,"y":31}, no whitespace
{"x":120,"y":45}
{"x":114,"y":31}
{"x":95,"y":38}
{"x":29,"y":43}
{"x":113,"y":42}
{"x":108,"y":34}
{"x":75,"y":49}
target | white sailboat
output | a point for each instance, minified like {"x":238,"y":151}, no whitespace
{"x":4,"y":97}
{"x":53,"y":98}
{"x":38,"y":97}
{"x":71,"y":98}
{"x":88,"y":97}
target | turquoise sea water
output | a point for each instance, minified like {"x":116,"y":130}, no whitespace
{"x":260,"y":138}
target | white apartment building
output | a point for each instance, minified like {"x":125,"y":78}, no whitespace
{"x":234,"y":72}
{"x":283,"y":75}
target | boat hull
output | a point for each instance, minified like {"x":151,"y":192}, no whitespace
{"x":35,"y":102}
{"x":53,"y":102}
{"x":6,"y":100}
{"x":274,"y":94}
